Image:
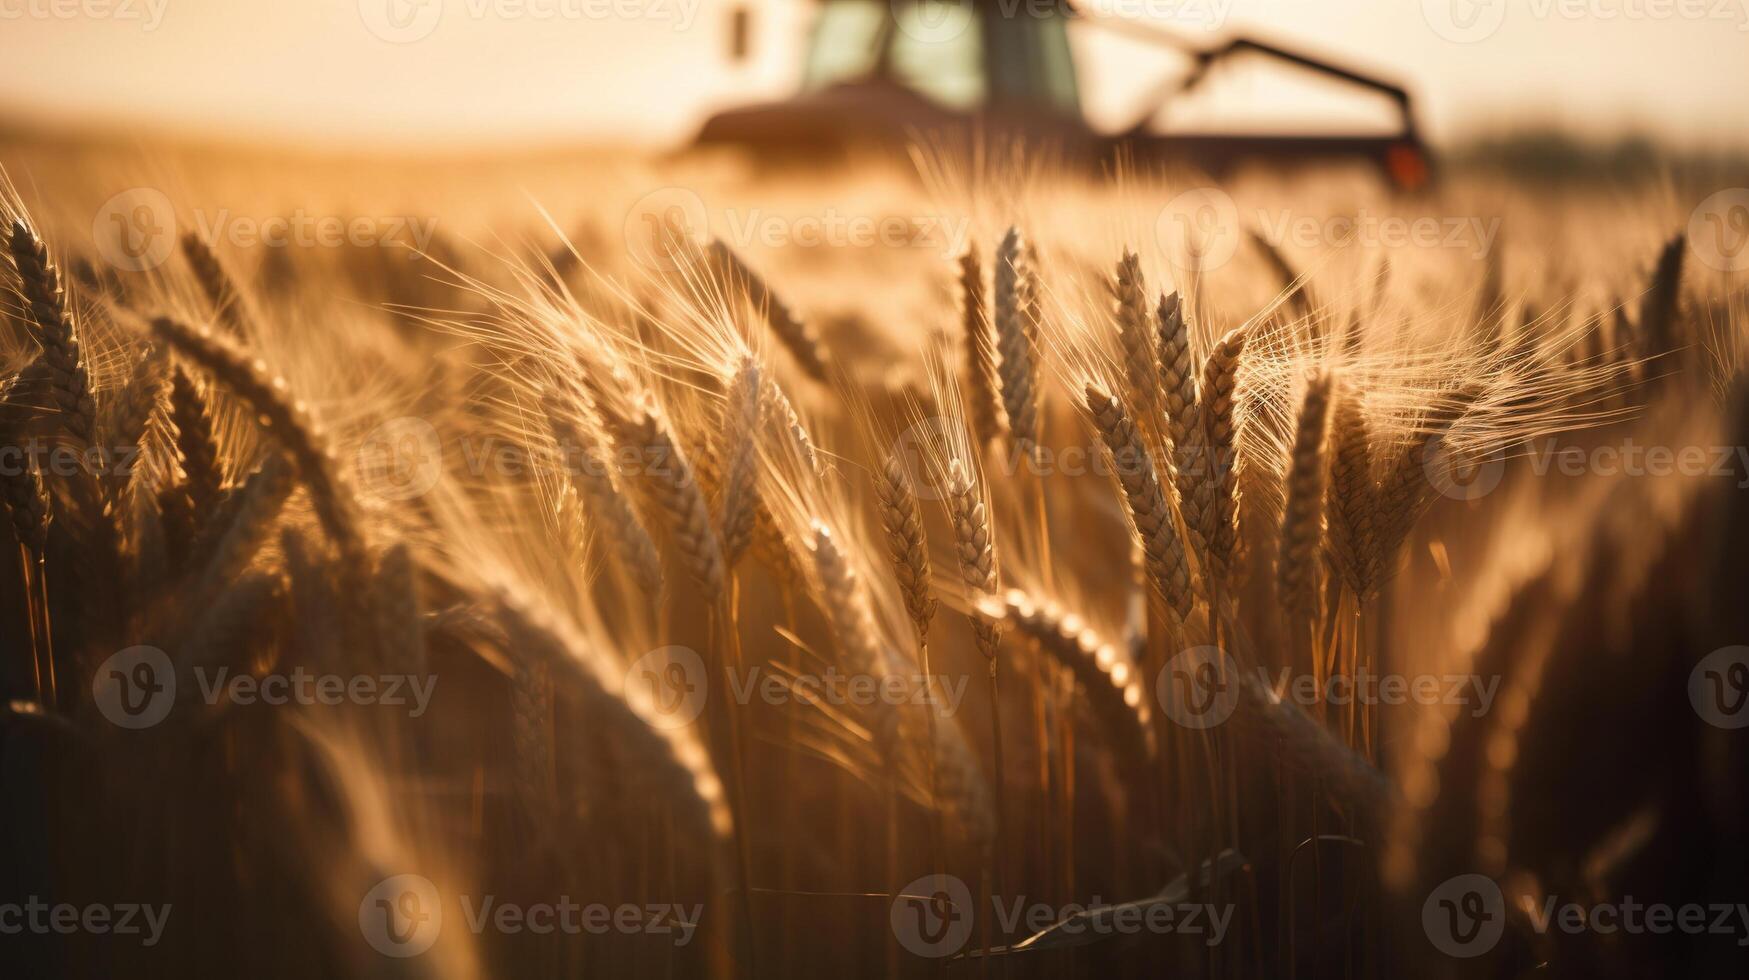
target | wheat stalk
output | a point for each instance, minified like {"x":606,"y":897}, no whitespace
{"x":1163,"y":552}
{"x":1302,"y":525}
{"x":672,"y":483}
{"x":1017,"y":370}
{"x":217,"y":284}
{"x":743,"y":416}
{"x":907,"y":547}
{"x":1118,"y":695}
{"x":974,"y":550}
{"x":283,"y":416}
{"x":982,"y":382}
{"x":594,"y":477}
{"x":795,"y":335}
{"x":1351,"y":503}
{"x":46,"y":304}
{"x":1141,"y":360}
{"x":846,"y":607}
{"x":1218,"y":498}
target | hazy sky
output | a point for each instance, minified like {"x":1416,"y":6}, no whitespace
{"x":399,"y":72}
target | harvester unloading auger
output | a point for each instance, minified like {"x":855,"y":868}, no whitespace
{"x":882,"y":74}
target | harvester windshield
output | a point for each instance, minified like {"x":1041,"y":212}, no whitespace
{"x":956,"y":53}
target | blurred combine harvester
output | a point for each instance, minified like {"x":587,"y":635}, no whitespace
{"x":879,"y":74}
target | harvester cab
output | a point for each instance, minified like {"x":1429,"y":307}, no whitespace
{"x":884,"y":74}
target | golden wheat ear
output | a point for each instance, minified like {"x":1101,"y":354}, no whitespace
{"x":1016,"y":347}
{"x":796,"y":336}
{"x":1168,"y":571}
{"x":285,"y":418}
{"x":45,"y":306}
{"x":1299,"y":556}
{"x":907,"y":547}
{"x":989,"y":420}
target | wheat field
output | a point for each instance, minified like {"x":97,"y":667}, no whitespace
{"x":959,"y":572}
